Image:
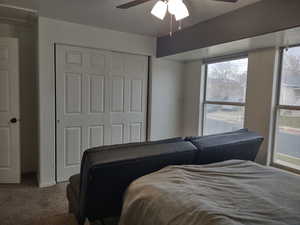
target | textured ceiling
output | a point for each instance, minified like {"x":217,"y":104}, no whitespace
{"x":102,"y":13}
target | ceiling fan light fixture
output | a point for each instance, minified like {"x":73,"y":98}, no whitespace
{"x":173,"y":6}
{"x":181,"y":12}
{"x":159,"y":10}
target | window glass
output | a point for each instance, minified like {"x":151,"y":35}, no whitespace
{"x":290,"y":77}
{"x":226,"y":81}
{"x":222,"y":118}
{"x":288,"y":137}
{"x":224,"y":103}
{"x":287,"y":134}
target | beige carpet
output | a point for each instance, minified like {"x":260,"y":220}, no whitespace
{"x":26,"y":204}
{"x":68,"y":219}
{"x":64,"y":219}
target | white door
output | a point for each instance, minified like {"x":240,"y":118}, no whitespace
{"x":101,"y":99}
{"x":9,"y":111}
{"x":128,"y":78}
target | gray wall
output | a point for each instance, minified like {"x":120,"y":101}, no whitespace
{"x":28,"y":92}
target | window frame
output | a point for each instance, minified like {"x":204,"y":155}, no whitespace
{"x":277,"y":109}
{"x":205,"y":102}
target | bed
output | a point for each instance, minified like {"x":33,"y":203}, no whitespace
{"x":233,"y":192}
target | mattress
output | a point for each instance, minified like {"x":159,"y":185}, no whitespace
{"x":233,"y":192}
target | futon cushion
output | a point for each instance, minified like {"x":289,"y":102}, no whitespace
{"x":241,"y":144}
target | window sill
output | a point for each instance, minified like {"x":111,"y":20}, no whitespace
{"x":284,"y":165}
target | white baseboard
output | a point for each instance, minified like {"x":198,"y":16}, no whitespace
{"x":46,"y":184}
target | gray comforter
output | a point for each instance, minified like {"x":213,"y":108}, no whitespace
{"x":228,"y":193}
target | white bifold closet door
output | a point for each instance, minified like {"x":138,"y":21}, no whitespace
{"x":101,"y":99}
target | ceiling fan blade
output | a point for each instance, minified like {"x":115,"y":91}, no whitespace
{"x":132,"y":4}
{"x":232,"y":1}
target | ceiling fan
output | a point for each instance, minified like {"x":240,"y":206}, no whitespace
{"x":176,"y":9}
{"x":138,"y":2}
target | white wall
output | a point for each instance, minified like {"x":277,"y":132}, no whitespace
{"x":53,"y":31}
{"x":260,"y":99}
{"x":28,"y":92}
{"x":193,"y":97}
{"x":166,"y":99}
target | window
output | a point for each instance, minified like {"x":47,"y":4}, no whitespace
{"x":224,"y":97}
{"x":287,"y":133}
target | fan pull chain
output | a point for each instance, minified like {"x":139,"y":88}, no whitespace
{"x":171,"y":25}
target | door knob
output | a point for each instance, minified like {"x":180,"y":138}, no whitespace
{"x":13,"y":120}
